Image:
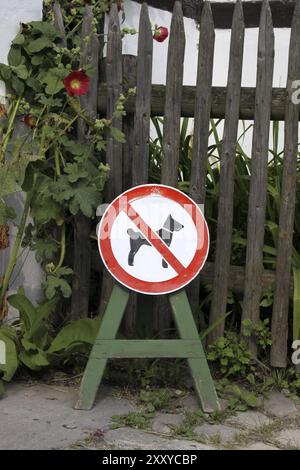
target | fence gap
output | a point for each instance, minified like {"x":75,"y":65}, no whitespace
{"x":259,"y":171}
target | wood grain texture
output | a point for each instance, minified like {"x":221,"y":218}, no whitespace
{"x":114,"y":77}
{"x":172,"y":112}
{"x":225,"y":205}
{"x":82,"y":224}
{"x":287,"y":205}
{"x":201,"y":124}
{"x":140,"y":162}
{"x":114,"y":153}
{"x":171,"y":132}
{"x":259,"y":164}
{"x":282,"y":11}
{"x":140,"y":348}
{"x":59,"y":24}
{"x":218,"y":102}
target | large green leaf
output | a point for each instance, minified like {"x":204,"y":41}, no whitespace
{"x":2,"y":389}
{"x":34,"y":360}
{"x":78,"y":332}
{"x":38,"y":45}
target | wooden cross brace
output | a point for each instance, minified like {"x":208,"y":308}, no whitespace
{"x":188,"y":347}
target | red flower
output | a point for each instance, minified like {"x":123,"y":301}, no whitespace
{"x":29,"y":120}
{"x":119,"y":5}
{"x":160,"y":33}
{"x":77,"y":83}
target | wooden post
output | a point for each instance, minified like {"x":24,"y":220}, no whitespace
{"x":259,"y":165}
{"x":171,"y":131}
{"x":114,"y":77}
{"x":201,"y":124}
{"x":82,"y":224}
{"x":225,"y":207}
{"x":287,"y":204}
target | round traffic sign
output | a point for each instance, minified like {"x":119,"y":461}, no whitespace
{"x":153,"y":239}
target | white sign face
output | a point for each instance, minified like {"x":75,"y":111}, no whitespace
{"x":153,"y":239}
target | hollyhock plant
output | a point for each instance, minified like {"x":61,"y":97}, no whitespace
{"x":160,"y":33}
{"x":77,"y":83}
{"x":29,"y":120}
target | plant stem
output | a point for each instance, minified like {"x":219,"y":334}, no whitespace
{"x":62,"y":248}
{"x":16,"y":247}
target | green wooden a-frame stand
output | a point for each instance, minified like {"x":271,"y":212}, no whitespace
{"x":107,"y":347}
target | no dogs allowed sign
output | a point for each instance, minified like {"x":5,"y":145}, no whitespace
{"x":153,"y":239}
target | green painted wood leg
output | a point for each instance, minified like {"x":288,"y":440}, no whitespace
{"x":200,"y":372}
{"x":108,"y":330}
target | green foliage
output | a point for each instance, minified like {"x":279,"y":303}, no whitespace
{"x":137,"y":420}
{"x":231,"y":355}
{"x":260,"y":331}
{"x":156,"y":399}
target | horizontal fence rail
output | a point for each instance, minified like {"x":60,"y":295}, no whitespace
{"x":218,"y":100}
{"x":282,"y":11}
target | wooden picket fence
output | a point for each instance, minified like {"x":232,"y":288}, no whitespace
{"x":129,"y":162}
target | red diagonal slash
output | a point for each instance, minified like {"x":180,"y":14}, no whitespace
{"x":153,"y":238}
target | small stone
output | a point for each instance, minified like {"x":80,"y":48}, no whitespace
{"x":258,"y":446}
{"x":224,"y":433}
{"x":289,"y":438}
{"x":164,"y":422}
{"x":279,"y":405}
{"x":250,"y":420}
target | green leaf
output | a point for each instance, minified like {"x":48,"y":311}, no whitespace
{"x":21,"y":71}
{"x":34,"y":360}
{"x":38,"y":45}
{"x":46,"y":28}
{"x":54,"y":284}
{"x":19,"y":40}
{"x":118,"y":135}
{"x":5,"y":72}
{"x":14,"y":57}
{"x":25,"y":307}
{"x":78,"y":332}
{"x":75,"y":171}
{"x":18,"y":85}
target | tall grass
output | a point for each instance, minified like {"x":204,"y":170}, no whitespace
{"x":241,"y":195}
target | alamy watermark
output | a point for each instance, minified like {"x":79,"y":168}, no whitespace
{"x":296,"y":93}
{"x":2,"y":353}
{"x":296,"y":353}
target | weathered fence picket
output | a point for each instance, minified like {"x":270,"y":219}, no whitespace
{"x":225,"y":207}
{"x":140,"y":163}
{"x":259,"y":164}
{"x":287,"y":207}
{"x":82,"y":224}
{"x":114,"y":79}
{"x":171,"y":130}
{"x":201,"y":123}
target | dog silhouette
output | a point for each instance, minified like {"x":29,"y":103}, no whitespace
{"x":137,"y":239}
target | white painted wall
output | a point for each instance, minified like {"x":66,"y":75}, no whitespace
{"x":27,"y":272}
